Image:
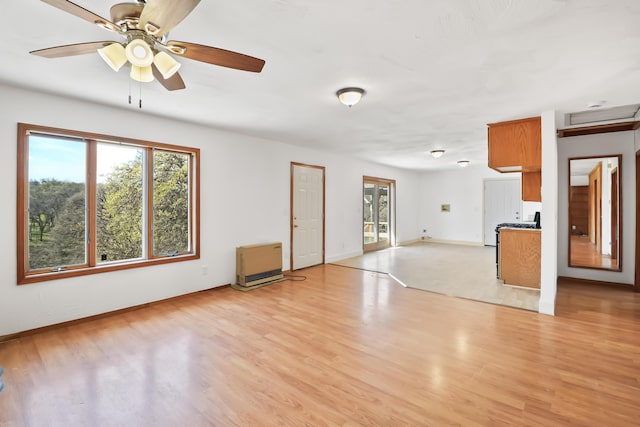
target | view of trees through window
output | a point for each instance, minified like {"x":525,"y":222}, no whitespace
{"x":60,"y":212}
{"x":119,"y":210}
{"x":57,"y":203}
{"x":170,"y":203}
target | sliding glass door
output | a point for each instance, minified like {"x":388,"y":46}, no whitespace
{"x":377,"y":213}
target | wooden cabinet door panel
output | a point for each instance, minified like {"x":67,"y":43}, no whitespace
{"x":515,"y":145}
{"x":531,"y":184}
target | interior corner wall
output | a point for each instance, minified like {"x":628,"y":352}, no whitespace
{"x":244,"y":196}
{"x":463,"y":190}
{"x":599,"y":145}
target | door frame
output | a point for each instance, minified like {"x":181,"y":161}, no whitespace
{"x":291,"y":196}
{"x":392,"y":211}
{"x":616,"y":235}
{"x":595,"y":206}
{"x":636,"y":286}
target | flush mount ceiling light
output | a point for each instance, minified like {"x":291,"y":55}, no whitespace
{"x":437,"y":153}
{"x":463,"y":163}
{"x":350,"y":96}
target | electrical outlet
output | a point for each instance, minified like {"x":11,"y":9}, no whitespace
{"x":205,"y":270}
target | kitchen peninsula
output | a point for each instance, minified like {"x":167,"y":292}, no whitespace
{"x":519,"y":256}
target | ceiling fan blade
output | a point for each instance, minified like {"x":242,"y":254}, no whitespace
{"x":216,"y":56}
{"x":164,"y":15}
{"x":83,"y":13}
{"x":174,"y":82}
{"x":71,"y":49}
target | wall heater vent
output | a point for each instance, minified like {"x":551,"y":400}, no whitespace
{"x":258,"y":264}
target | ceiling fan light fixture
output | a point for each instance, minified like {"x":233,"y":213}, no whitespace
{"x":114,"y":55}
{"x":350,"y":96}
{"x":139,"y":53}
{"x":166,"y":64}
{"x":177,"y":49}
{"x":151,"y":28}
{"x":437,"y":153}
{"x":141,"y":74}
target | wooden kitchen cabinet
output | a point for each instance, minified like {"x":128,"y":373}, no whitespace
{"x":531,"y":184}
{"x":519,"y":257}
{"x":516,"y":145}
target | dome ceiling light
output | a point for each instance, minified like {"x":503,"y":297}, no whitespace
{"x":350,"y":96}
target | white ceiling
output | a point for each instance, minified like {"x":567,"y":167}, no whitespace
{"x":435,"y":71}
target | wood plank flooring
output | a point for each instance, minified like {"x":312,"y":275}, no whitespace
{"x":343,"y":348}
{"x":584,"y":253}
{"x":449,"y":269}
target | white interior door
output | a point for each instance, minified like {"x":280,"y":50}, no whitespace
{"x":502,"y":203}
{"x":307,"y":216}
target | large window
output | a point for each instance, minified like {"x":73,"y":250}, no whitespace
{"x":90,"y":203}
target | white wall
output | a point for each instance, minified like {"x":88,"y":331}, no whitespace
{"x":599,"y":145}
{"x":463,"y":189}
{"x":244,"y":199}
{"x":549,"y":214}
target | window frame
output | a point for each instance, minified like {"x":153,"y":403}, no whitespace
{"x":24,"y":276}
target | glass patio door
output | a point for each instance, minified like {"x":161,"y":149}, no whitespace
{"x":377,"y":226}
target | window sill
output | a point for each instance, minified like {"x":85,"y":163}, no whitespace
{"x":85,"y":271}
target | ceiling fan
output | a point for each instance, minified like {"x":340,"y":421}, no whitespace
{"x":145,"y":26}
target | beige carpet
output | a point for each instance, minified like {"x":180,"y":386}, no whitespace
{"x":456,"y":270}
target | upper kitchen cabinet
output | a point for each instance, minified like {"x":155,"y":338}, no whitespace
{"x":531,"y":186}
{"x":516,"y":145}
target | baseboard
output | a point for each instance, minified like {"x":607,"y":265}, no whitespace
{"x":576,"y":280}
{"x":452,"y":242}
{"x":340,"y":257}
{"x":408,"y":242}
{"x":68,"y":323}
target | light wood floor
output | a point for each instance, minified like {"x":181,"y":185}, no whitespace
{"x":457,"y":270}
{"x":585,"y":253}
{"x":343,"y":348}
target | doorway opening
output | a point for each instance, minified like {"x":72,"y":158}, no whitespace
{"x":378,"y":212}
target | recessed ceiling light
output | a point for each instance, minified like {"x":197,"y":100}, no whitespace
{"x":437,"y":153}
{"x":463,"y":163}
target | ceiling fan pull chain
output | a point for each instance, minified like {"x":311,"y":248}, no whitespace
{"x":140,"y":97}
{"x":129,"y":91}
